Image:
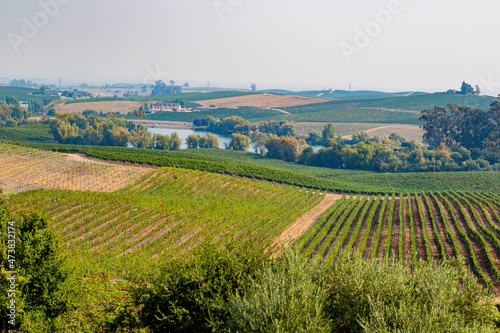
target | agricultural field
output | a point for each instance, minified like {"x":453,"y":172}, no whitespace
{"x":165,"y":214}
{"x":349,"y":115}
{"x":409,"y":132}
{"x":24,"y":169}
{"x":22,"y":94}
{"x":186,"y":97}
{"x":122,"y":107}
{"x":28,"y":133}
{"x":265,"y":168}
{"x":261,"y":100}
{"x":414,"y":227}
{"x":247,"y":112}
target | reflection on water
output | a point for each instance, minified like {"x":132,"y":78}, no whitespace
{"x":183,"y":134}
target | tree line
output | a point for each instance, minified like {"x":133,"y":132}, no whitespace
{"x":110,"y":130}
{"x":462,"y":127}
{"x":463,"y":139}
{"x":12,"y":114}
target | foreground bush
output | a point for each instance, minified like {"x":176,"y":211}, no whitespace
{"x":190,"y":294}
{"x":245,"y":291}
{"x":289,"y":296}
{"x":371,"y":296}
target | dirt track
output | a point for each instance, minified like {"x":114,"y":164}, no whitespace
{"x":306,"y":220}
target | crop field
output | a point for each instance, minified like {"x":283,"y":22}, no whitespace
{"x":261,"y":100}
{"x":353,"y":115}
{"x":259,"y":167}
{"x":22,"y":94}
{"x":414,"y":227}
{"x":247,"y":112}
{"x":186,"y":97}
{"x":410,"y":132}
{"x":123,"y":107}
{"x":165,"y":214}
{"x":33,"y":133}
{"x":27,"y":169}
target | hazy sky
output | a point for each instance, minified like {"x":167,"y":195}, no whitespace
{"x":405,"y":45}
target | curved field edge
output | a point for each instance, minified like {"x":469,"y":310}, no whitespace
{"x":167,"y":214}
{"x":240,"y":164}
{"x":413,"y":227}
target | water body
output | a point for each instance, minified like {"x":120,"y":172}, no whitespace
{"x":183,"y":134}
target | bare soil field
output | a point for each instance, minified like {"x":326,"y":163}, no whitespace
{"x":27,"y":169}
{"x":123,"y":107}
{"x":409,"y":132}
{"x":261,"y":100}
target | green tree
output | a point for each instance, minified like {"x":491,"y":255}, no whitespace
{"x":239,"y":142}
{"x":11,"y":100}
{"x":193,"y":141}
{"x":314,"y":138}
{"x":41,"y":274}
{"x":259,"y":142}
{"x":176,"y":141}
{"x":163,"y":142}
{"x":328,"y":132}
{"x":213,"y":141}
{"x":44,"y":88}
{"x":466,"y":89}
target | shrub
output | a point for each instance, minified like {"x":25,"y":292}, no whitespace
{"x":288,"y":297}
{"x":388,"y":296}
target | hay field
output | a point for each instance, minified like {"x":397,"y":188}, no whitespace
{"x":123,"y":107}
{"x":261,"y":101}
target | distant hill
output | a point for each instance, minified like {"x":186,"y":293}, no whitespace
{"x":22,"y":94}
{"x":343,"y":94}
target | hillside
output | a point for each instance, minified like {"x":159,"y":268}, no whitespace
{"x":167,"y":213}
{"x":22,"y":94}
{"x":429,"y":227}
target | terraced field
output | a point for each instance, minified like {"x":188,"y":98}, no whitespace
{"x":27,"y":169}
{"x":167,"y":213}
{"x":414,"y":227}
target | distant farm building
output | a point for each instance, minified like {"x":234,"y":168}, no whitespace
{"x":165,"y":107}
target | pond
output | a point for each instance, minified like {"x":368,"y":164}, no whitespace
{"x":183,"y":134}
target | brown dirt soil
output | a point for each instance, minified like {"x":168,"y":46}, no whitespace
{"x":123,"y":107}
{"x":383,"y":233}
{"x":433,"y":243}
{"x":419,"y":235}
{"x":304,"y":222}
{"x":28,"y":169}
{"x":448,"y":246}
{"x":261,"y":101}
{"x":410,"y":132}
{"x":476,"y":245}
{"x":396,"y":223}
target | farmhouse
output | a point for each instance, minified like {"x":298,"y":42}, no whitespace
{"x":165,"y":107}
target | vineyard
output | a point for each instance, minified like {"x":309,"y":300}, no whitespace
{"x":414,"y":227}
{"x":27,"y":169}
{"x":165,"y":214}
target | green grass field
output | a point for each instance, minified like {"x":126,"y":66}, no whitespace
{"x":22,"y":94}
{"x":249,"y":113}
{"x":30,"y":133}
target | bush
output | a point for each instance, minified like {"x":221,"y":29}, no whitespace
{"x":289,"y":296}
{"x":388,"y":296}
{"x":190,"y":294}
